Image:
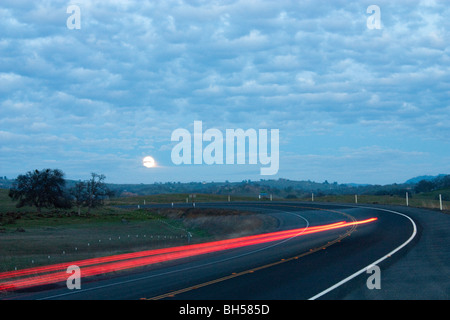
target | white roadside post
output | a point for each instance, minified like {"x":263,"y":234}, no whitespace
{"x":312,"y":197}
{"x":407,"y":199}
{"x":440,"y":201}
{"x":356,"y":198}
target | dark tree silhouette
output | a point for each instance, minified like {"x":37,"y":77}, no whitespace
{"x":97,"y":191}
{"x":42,"y":189}
{"x":424,"y":186}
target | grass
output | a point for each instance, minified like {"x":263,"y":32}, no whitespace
{"x":56,"y":237}
{"x":177,"y":198}
{"x":425,"y":200}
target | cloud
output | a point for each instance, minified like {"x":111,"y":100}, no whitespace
{"x":137,"y":70}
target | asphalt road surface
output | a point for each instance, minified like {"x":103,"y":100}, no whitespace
{"x":409,"y":246}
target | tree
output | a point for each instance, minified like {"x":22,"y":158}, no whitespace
{"x":424,"y":186}
{"x":79,"y":195}
{"x":90,"y":193}
{"x":442,"y":182}
{"x":96,"y":190}
{"x":42,"y":189}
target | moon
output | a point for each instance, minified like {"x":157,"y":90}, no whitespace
{"x":149,"y":162}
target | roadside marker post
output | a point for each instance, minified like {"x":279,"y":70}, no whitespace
{"x":440,"y":201}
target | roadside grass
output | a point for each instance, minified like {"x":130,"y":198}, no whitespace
{"x":424,"y":200}
{"x":177,"y":198}
{"x":56,"y":237}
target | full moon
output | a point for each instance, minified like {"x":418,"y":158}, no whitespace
{"x":149,"y":162}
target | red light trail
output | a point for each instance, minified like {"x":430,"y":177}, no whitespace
{"x":57,"y":273}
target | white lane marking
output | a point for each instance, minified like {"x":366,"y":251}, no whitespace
{"x":188,"y":268}
{"x":375,"y":262}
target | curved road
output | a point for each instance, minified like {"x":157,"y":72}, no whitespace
{"x":410,"y":246}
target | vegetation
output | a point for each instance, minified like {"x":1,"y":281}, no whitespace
{"x":90,"y":193}
{"x":280,"y":189}
{"x":95,"y":192}
{"x":441,"y":182}
{"x":42,"y":189}
{"x":47,"y":189}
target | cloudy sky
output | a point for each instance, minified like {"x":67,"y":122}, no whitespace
{"x":352,"y":103}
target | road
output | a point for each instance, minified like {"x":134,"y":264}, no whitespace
{"x":410,"y":246}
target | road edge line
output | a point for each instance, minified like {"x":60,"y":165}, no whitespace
{"x":375,"y":262}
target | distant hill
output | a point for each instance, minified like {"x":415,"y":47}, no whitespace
{"x":426,"y":178}
{"x":280,"y":188}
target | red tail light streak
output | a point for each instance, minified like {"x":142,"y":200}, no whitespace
{"x":21,"y":279}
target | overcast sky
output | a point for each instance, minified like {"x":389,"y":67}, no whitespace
{"x":352,"y":104}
